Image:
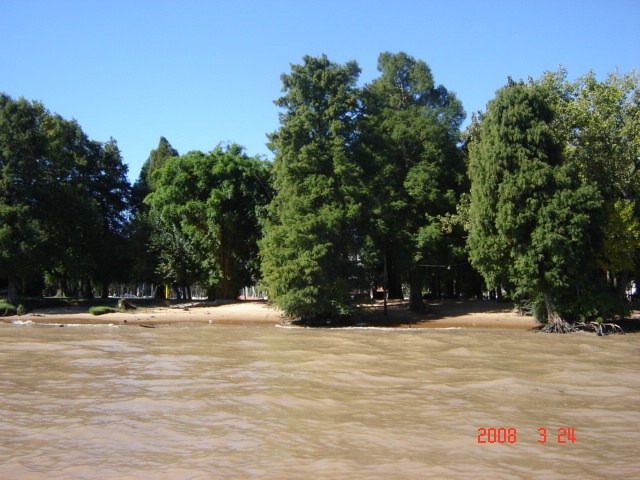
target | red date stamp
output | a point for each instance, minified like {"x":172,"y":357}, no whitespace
{"x":510,"y":435}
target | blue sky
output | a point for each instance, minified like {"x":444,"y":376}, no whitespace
{"x":204,"y":72}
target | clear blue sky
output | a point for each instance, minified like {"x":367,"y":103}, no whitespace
{"x":204,"y":72}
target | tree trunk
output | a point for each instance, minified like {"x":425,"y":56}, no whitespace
{"x":159,"y":292}
{"x":86,"y":288}
{"x":621,"y":284}
{"x":555,"y":323}
{"x":212,"y":294}
{"x":435,"y":285}
{"x":415,"y":293}
{"x":394,"y":282}
{"x":395,"y":288}
{"x":176,"y":289}
{"x":385,"y":279}
{"x":186,"y":292}
{"x":552,"y":316}
{"x":451,"y":288}
{"x":12,"y":292}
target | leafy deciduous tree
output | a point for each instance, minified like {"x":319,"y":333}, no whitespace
{"x":599,"y":125}
{"x":205,"y":211}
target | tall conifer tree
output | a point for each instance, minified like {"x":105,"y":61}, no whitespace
{"x":410,"y":131}
{"x":309,"y":251}
{"x":533,"y":219}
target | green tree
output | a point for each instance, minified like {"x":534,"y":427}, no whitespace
{"x":62,"y":197}
{"x":598,"y":123}
{"x":146,"y":259}
{"x":311,"y":243}
{"x":73,"y":212}
{"x":205,"y":212}
{"x":88,"y":185}
{"x":533,"y":218}
{"x":411,"y":132}
{"x":145,"y":183}
{"x":110,"y":189}
{"x":23,"y":215}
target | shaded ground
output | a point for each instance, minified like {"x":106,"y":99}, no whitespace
{"x":439,"y":314}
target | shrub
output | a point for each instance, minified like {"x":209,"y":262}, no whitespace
{"x":102,"y":310}
{"x":7,"y":309}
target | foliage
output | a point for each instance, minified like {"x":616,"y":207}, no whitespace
{"x":596,"y":302}
{"x":102,"y":310}
{"x":205,"y":216}
{"x":145,"y":263}
{"x":62,"y":197}
{"x":366,"y":183}
{"x":410,"y":133}
{"x":309,"y":250}
{"x":23,"y":212}
{"x":7,"y":309}
{"x":533,"y":218}
{"x":599,"y":126}
{"x":363,"y":177}
{"x":145,"y":183}
{"x":621,"y":246}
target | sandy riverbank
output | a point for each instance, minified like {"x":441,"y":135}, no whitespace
{"x":443,"y":314}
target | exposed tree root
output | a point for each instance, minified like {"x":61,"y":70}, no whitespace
{"x":600,"y":329}
{"x":559,"y":326}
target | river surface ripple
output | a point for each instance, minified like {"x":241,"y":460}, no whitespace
{"x":260,"y":402}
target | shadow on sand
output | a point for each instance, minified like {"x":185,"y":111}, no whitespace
{"x":399,"y":315}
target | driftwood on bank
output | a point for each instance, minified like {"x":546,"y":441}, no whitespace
{"x":126,"y":305}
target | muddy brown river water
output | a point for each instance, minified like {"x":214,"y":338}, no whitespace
{"x":263,"y":402}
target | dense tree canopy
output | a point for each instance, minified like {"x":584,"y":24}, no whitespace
{"x":205,"y":213}
{"x":598,"y":122}
{"x":23,"y":211}
{"x":534,"y":219}
{"x":362,"y":178}
{"x":367,"y":189}
{"x":309,"y":250}
{"x":146,"y":259}
{"x":145,"y":184}
{"x":62,"y":200}
{"x":410,"y":132}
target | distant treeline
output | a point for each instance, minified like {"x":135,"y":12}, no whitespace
{"x":372,"y":188}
